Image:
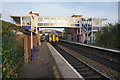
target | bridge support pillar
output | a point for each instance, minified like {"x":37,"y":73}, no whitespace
{"x":38,"y":36}
{"x":36,"y":30}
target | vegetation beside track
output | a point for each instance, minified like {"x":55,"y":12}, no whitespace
{"x":12,"y":60}
{"x":109,"y":36}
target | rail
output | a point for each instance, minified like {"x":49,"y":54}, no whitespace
{"x":95,"y":47}
{"x":104,"y":56}
{"x":84,"y":69}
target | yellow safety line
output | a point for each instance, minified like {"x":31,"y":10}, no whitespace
{"x":45,"y":42}
{"x":57,"y":77}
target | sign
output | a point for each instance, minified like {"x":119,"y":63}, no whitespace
{"x":32,"y":30}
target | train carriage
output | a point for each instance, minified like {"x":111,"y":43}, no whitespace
{"x":53,"y":37}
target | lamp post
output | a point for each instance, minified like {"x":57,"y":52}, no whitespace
{"x":32,"y":30}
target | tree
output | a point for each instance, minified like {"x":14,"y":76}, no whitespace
{"x":109,"y":36}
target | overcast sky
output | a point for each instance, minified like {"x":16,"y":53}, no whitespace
{"x":90,"y":8}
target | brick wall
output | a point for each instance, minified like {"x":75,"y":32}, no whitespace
{"x":27,"y":44}
{"x":25,"y":37}
{"x":35,"y":40}
{"x":74,"y":34}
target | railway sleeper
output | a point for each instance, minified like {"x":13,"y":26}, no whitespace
{"x":93,"y":77}
{"x":74,"y":63}
{"x":83,"y":70}
{"x":88,"y":72}
{"x":81,"y":66}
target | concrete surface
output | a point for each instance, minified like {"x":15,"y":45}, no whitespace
{"x":49,"y":64}
{"x":42,"y":66}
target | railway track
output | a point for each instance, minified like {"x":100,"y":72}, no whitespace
{"x":84,"y":69}
{"x":110,"y":63}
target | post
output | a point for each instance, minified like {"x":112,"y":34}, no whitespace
{"x":92,"y":40}
{"x":13,"y":21}
{"x":32,"y":30}
{"x":87,"y":31}
{"x":36,"y":30}
{"x":21,"y":20}
{"x":23,"y":48}
{"x":31,"y":45}
{"x":39,"y":38}
{"x":10,"y":19}
{"x":31,"y":5}
{"x":31,"y":38}
{"x":80,"y":25}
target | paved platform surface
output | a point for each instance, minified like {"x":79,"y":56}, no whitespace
{"x":43,"y":65}
{"x":49,"y":64}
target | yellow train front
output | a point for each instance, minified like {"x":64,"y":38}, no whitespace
{"x":53,"y":37}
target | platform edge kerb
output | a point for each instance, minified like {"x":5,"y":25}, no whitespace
{"x":49,"y":45}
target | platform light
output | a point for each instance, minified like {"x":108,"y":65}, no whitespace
{"x":32,"y":56}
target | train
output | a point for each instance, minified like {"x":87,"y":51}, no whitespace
{"x":53,"y":37}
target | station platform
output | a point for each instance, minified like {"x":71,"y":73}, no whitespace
{"x":49,"y":64}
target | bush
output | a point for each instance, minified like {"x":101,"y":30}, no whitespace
{"x":12,"y":60}
{"x":109,"y":36}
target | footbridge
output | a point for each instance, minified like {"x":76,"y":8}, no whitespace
{"x":57,"y":21}
{"x":84,"y":26}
